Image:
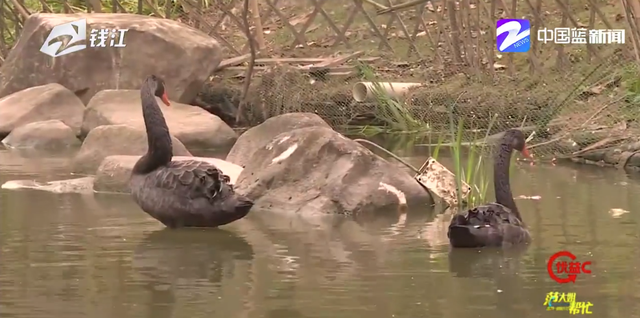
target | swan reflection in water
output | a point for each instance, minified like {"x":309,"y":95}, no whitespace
{"x":501,"y":271}
{"x":191,"y":254}
{"x":173,"y":264}
{"x":486,"y":262}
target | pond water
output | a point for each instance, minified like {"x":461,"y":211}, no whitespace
{"x":73,"y":255}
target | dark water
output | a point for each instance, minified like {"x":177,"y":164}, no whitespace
{"x":72,"y":255}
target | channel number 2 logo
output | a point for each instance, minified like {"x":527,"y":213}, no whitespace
{"x":513,"y":35}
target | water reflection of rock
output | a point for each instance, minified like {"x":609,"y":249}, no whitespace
{"x":435,"y":231}
{"x":196,"y":266}
{"x":324,"y":249}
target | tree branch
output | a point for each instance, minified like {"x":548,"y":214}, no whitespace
{"x":252,"y":61}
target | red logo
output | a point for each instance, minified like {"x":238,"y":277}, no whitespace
{"x":571,"y":268}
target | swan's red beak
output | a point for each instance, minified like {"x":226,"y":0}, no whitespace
{"x":525,"y":152}
{"x":165,"y":99}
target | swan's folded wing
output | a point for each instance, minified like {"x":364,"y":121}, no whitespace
{"x":197,"y":179}
{"x":516,"y":234}
{"x":486,"y":213}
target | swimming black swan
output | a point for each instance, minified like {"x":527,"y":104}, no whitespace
{"x":179,"y":193}
{"x":494,"y":224}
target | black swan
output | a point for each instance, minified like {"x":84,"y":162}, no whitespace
{"x":494,"y":224}
{"x":179,"y":193}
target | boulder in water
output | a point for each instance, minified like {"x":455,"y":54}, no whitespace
{"x":40,"y":103}
{"x":49,"y":135}
{"x":193,"y":126}
{"x":259,"y":136}
{"x":110,"y":140}
{"x":317,"y":171}
{"x":115,"y":171}
{"x":183,"y":56}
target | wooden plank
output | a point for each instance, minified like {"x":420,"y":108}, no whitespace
{"x":234,"y":61}
{"x":263,"y":68}
{"x":288,"y":60}
{"x":339,"y":69}
{"x":341,"y":73}
{"x":333,"y":74}
{"x":306,"y":60}
{"x":244,"y":68}
{"x":369,"y":59}
{"x":336,"y":61}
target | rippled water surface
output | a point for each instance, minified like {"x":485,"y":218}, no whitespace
{"x":73,"y":255}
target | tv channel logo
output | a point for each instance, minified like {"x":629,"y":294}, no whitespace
{"x":513,"y":35}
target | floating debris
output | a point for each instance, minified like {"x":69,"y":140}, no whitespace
{"x":617,"y":213}
{"x":441,"y":182}
{"x":533,"y":197}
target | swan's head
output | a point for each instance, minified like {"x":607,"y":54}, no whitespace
{"x":515,"y":138}
{"x":158,"y":83}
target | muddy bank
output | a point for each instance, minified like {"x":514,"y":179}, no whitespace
{"x":617,"y":146}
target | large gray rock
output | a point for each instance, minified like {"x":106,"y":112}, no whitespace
{"x":115,"y":171}
{"x":183,"y":56}
{"x":317,"y":171}
{"x":110,"y":140}
{"x":40,"y":103}
{"x":195,"y":127}
{"x":259,"y":136}
{"x":50,"y":135}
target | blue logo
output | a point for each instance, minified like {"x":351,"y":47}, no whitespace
{"x":513,"y":35}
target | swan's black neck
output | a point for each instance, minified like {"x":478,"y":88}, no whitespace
{"x":501,"y":178}
{"x":160,"y":151}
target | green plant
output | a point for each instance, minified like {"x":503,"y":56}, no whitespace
{"x":630,"y":78}
{"x":474,"y":171}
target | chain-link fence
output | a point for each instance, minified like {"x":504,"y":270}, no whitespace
{"x":577,"y":98}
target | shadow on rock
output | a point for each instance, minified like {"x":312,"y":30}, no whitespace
{"x":486,"y":262}
{"x":190,"y":254}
